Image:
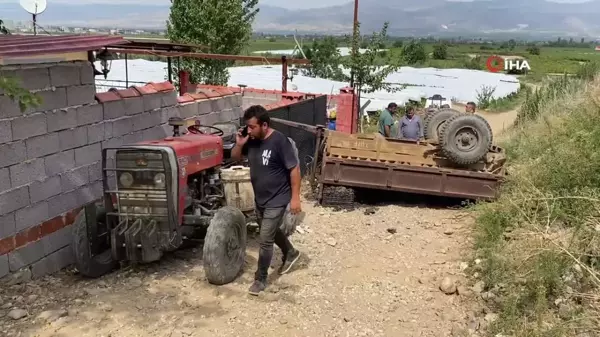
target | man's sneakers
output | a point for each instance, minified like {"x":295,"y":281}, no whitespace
{"x":257,"y":287}
{"x":289,"y":261}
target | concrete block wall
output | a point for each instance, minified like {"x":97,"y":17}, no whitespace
{"x":50,"y":156}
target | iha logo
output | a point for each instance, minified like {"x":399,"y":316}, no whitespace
{"x":497,"y":63}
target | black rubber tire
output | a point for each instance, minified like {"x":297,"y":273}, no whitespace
{"x":432,"y":125}
{"x":478,"y":151}
{"x":221,"y":263}
{"x":445,"y":106}
{"x":86,"y":264}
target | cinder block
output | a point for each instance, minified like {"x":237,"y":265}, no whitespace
{"x":108,"y":130}
{"x":52,"y":99}
{"x":9,"y":108}
{"x":33,"y":78}
{"x":169,"y":99}
{"x":7,"y":225}
{"x":5,"y":131}
{"x":42,"y":145}
{"x":95,"y":172}
{"x":156,"y":132}
{"x":88,"y":155}
{"x":186,"y":110}
{"x":112,"y":143}
{"x":26,"y":255}
{"x":29,"y":126}
{"x":218,"y":104}
{"x":14,"y":199}
{"x":75,"y":178}
{"x":226,"y":115}
{"x":12,"y":153}
{"x":88,"y":194}
{"x":64,"y":75}
{"x":57,"y":240}
{"x":238,"y":100}
{"x":228,"y":102}
{"x":113,"y":109}
{"x":4,"y":179}
{"x":87,"y":73}
{"x":59,"y":163}
{"x":95,"y":133}
{"x":122,"y":126}
{"x":238,"y":112}
{"x":209,"y":119}
{"x":174,"y":111}
{"x":31,"y":216}
{"x":81,"y":94}
{"x":134,"y":137}
{"x":27,"y":172}
{"x":89,"y":114}
{"x":204,"y":107}
{"x":152,"y":101}
{"x":53,"y":262}
{"x":62,"y":119}
{"x":63,"y":203}
{"x":147,"y":120}
{"x":72,"y":138}
{"x":132,"y":106}
{"x":4,"y":269}
{"x":45,"y":189}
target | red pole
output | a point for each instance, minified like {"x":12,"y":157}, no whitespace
{"x":184,"y":81}
{"x":284,"y":72}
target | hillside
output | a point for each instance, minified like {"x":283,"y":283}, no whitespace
{"x":407,"y":17}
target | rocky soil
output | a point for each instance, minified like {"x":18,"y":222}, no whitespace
{"x":372,"y":271}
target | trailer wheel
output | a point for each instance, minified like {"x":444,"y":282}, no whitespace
{"x":225,"y":246}
{"x":466,"y":138}
{"x":432,"y":125}
{"x":87,"y":263}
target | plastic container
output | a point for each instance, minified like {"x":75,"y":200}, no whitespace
{"x":238,"y":187}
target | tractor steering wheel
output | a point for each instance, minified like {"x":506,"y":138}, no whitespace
{"x":195,"y":129}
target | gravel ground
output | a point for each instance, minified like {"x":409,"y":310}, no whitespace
{"x":371,"y":271}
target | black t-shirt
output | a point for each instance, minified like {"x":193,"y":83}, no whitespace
{"x":270,"y":161}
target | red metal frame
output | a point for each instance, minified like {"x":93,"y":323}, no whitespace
{"x":29,"y":45}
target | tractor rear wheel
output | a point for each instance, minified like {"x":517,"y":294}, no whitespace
{"x":89,"y":264}
{"x":466,"y":138}
{"x":433,"y":124}
{"x":224,"y":249}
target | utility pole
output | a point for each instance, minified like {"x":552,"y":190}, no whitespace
{"x":354,"y":45}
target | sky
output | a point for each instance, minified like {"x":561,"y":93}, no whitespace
{"x":279,"y":3}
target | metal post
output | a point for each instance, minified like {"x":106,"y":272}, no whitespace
{"x":34,"y":24}
{"x":170,"y":70}
{"x":184,"y":79}
{"x":354,"y":46}
{"x":284,"y":72}
{"x":126,"y":73}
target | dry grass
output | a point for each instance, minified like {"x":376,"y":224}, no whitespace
{"x":540,"y":243}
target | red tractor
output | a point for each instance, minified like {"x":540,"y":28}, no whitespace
{"x":160,"y":193}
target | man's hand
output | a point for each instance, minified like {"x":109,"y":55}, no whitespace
{"x":240,"y":139}
{"x":295,"y":205}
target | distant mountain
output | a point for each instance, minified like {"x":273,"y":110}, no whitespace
{"x":407,"y":17}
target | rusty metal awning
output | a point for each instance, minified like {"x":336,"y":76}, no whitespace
{"x":13,"y":46}
{"x":158,"y":45}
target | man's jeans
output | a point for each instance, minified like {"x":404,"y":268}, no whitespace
{"x":269,"y":220}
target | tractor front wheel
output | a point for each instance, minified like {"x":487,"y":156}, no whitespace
{"x":224,"y":249}
{"x":89,"y":264}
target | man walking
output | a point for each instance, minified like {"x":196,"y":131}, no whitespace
{"x":386,"y":121}
{"x":275,"y":177}
{"x":470,"y":107}
{"x":410,"y":126}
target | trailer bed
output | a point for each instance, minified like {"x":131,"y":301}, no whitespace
{"x":374,"y":162}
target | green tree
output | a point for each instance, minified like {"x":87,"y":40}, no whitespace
{"x":414,"y":52}
{"x":325,"y":60}
{"x":440,"y":51}
{"x":533,"y":50}
{"x":3,"y":29}
{"x":369,"y":70}
{"x":397,"y":44}
{"x":224,"y":26}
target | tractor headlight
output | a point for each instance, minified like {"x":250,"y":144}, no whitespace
{"x":126,"y":179}
{"x":159,"y":180}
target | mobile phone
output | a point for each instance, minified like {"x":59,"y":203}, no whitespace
{"x":245,"y":131}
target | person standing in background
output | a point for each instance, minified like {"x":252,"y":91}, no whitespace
{"x":386,"y":120}
{"x":470,"y":107}
{"x":410,"y":126}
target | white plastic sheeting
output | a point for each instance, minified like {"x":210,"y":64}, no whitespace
{"x":461,"y":85}
{"x":344,"y":51}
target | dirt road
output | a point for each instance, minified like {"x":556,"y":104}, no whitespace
{"x":362,"y":274}
{"x":366,"y":272}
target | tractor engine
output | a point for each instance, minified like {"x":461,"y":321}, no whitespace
{"x":205,"y":194}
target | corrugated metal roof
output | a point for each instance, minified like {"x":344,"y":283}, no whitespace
{"x":32,"y":45}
